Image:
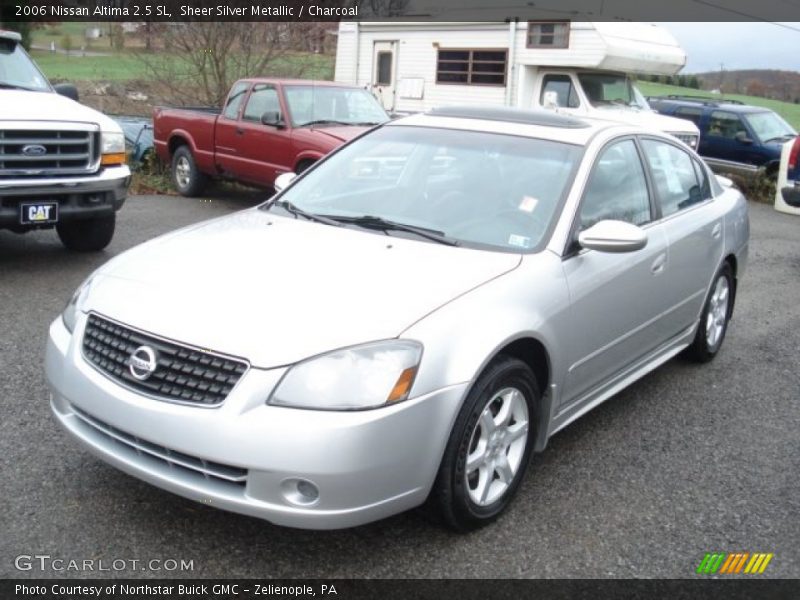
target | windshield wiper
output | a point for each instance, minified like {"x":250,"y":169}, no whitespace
{"x":785,"y":136}
{"x":12,"y":86}
{"x":381,"y":224}
{"x":299,"y":212}
{"x":324,"y":122}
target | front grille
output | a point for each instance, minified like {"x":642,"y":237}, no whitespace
{"x":32,"y":152}
{"x":209,"y":470}
{"x":689,"y":139}
{"x":182,"y":374}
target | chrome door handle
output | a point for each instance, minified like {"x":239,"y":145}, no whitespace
{"x":717,"y":231}
{"x":658,"y":264}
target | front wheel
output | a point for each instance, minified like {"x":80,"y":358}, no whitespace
{"x":489,"y":447}
{"x":715,"y":317}
{"x":87,"y":235}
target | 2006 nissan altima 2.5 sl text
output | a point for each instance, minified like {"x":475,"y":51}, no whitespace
{"x":406,"y":322}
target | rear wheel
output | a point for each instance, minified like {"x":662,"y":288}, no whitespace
{"x":87,"y":235}
{"x":489,"y":447}
{"x":186,"y":177}
{"x":714,"y":319}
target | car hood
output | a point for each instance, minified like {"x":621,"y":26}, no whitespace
{"x":20,"y":105}
{"x":276,"y":289}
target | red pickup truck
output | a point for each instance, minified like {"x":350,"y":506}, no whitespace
{"x":265,"y":128}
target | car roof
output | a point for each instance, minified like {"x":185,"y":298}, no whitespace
{"x":286,"y":81}
{"x":542,"y":124}
{"x":712,"y":104}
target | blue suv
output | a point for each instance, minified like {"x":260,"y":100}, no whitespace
{"x":734,"y":137}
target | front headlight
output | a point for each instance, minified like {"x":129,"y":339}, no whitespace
{"x":70,"y":314}
{"x":355,"y":378}
{"x":112,"y":148}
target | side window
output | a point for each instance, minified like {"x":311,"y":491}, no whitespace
{"x":725,"y":124}
{"x":563,"y":88}
{"x":679,"y":181}
{"x":235,"y":98}
{"x":617,"y":188}
{"x":263,"y":98}
{"x":690,"y":113}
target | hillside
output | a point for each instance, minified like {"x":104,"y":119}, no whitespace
{"x":769,"y":83}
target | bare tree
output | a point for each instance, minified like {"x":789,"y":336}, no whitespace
{"x":201,"y":60}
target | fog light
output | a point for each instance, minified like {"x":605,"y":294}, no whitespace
{"x":300,"y":492}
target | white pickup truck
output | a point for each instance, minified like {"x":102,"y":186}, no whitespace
{"x":62,"y":164}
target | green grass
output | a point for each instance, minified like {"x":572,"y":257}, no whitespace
{"x":77,"y":33}
{"x":116,"y":67}
{"x":126,"y":66}
{"x":789,"y":111}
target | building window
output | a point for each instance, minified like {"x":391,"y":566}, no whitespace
{"x":548,"y":34}
{"x":472,"y":67}
{"x":384,"y":69}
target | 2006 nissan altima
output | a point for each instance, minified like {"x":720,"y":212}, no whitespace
{"x":406,"y":322}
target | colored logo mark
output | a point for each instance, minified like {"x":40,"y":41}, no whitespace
{"x":734,"y":563}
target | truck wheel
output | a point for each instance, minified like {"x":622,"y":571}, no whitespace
{"x":188,"y":180}
{"x":87,"y":235}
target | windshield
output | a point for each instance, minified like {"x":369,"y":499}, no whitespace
{"x":17,"y":70}
{"x":328,"y":104}
{"x":768,"y":126}
{"x":611,"y":89}
{"x":474,"y":188}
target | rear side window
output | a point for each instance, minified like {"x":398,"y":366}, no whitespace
{"x":235,"y":99}
{"x":562,"y":86}
{"x":679,"y":180}
{"x":617,"y":188}
{"x":725,"y":124}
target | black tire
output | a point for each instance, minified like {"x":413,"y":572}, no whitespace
{"x":87,"y":235}
{"x":186,"y":177}
{"x":451,"y":499}
{"x":705,"y":346}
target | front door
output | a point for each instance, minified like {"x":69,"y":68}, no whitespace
{"x":266,"y":150}
{"x":616,"y":299}
{"x":384,"y":76}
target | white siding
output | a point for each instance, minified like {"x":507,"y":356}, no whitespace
{"x":345,"y":70}
{"x":612,"y":46}
{"x":416,"y":58}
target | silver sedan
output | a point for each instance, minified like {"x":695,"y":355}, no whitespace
{"x":406,"y":322}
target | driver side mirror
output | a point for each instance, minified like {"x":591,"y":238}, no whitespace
{"x":68,"y":90}
{"x":741,"y":136}
{"x":273,"y":119}
{"x":613,"y":236}
{"x":283,"y":180}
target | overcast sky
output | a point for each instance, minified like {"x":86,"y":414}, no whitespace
{"x":738,"y":45}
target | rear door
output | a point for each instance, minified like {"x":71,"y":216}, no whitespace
{"x":384,"y":76}
{"x":693,"y":224}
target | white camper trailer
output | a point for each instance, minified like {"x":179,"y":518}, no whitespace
{"x":573,"y":67}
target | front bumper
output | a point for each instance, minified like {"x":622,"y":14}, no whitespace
{"x":367,"y":465}
{"x":78,"y":197}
